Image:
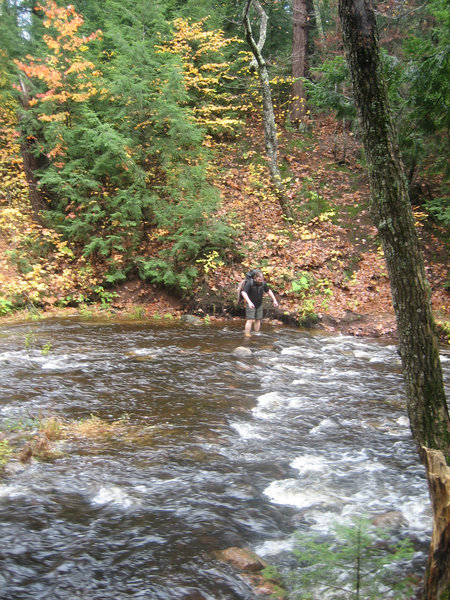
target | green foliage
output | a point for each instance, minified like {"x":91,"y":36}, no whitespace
{"x":314,"y":206}
{"x":99,"y":190}
{"x":443,"y":325}
{"x":211,"y":262}
{"x":301,"y":284}
{"x":19,"y":424}
{"x":428,"y":71}
{"x":189,"y":232}
{"x":46,"y":349}
{"x":423,"y":131}
{"x":329,"y":88}
{"x":359,"y":562}
{"x":311,"y":293}
{"x":13,"y":15}
{"x":124,"y":150}
{"x":138,"y":312}
{"x":105,"y":297}
{"x":439,"y":208}
{"x":310,"y":204}
{"x":29,"y":340}
{"x":162,"y":271}
{"x":6,"y":306}
{"x":5,"y":452}
{"x":126,"y":167}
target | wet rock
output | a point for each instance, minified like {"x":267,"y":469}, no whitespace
{"x":191,"y":319}
{"x":390,"y":520}
{"x":262,"y":587}
{"x":251,"y":566}
{"x":242,"y":352}
{"x":243,"y":367}
{"x":242,"y":558}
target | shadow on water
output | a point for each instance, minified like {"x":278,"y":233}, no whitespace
{"x":232,"y":451}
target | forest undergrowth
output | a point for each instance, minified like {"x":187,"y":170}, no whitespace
{"x":326,"y":268}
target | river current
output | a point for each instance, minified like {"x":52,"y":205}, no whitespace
{"x":309,"y":430}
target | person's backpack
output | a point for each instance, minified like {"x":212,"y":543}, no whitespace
{"x":240,"y":287}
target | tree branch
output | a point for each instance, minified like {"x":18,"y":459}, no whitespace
{"x":256,"y":46}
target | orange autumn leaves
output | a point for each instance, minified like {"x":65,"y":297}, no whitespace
{"x":65,"y":72}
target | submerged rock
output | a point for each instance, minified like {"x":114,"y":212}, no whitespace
{"x":243,"y":367}
{"x":192,"y":319}
{"x":242,"y":352}
{"x":392,"y":519}
{"x":242,"y":558}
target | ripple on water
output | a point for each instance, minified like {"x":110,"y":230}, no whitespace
{"x":309,"y":430}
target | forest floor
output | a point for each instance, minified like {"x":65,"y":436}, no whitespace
{"x":327,"y":268}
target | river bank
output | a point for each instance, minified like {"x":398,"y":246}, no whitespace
{"x":168,"y":309}
{"x":327,"y":268}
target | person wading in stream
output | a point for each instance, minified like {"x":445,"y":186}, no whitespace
{"x":253,"y":291}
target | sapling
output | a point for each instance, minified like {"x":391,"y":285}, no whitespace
{"x":355,"y":562}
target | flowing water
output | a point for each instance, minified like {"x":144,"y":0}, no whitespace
{"x":308,"y":430}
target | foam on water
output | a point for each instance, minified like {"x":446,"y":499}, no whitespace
{"x":311,"y":434}
{"x":275,"y":547}
{"x":11,"y":357}
{"x":113,"y":494}
{"x":62,"y":363}
{"x":291,"y":492}
{"x":268,"y":404}
{"x":323,"y":426}
{"x":309,"y":463}
{"x":10,"y":492}
{"x":417,"y":513}
{"x":247,"y":431}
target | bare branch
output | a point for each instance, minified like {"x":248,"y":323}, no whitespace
{"x":259,"y":45}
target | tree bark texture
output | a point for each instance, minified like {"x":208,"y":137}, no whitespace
{"x":299,"y":45}
{"x":438,"y":576}
{"x":392,"y":214}
{"x":270,"y":129}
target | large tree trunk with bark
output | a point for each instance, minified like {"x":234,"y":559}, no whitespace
{"x":270,"y":129}
{"x":437,"y":584}
{"x":392,"y":214}
{"x":299,"y":46}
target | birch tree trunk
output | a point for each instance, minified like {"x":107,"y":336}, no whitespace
{"x":392,"y":214}
{"x":270,"y":130}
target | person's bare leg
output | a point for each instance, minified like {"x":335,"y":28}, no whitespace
{"x":257,"y":325}
{"x":248,"y":326}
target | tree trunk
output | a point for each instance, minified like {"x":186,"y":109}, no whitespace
{"x":392,"y":214}
{"x":299,"y":45}
{"x":30,"y":164}
{"x":318,"y":18}
{"x":270,"y":129}
{"x":438,"y":576}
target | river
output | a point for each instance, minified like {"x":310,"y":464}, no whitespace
{"x":309,"y":430}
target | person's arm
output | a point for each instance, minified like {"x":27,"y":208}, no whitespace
{"x":272,"y":295}
{"x":247,"y":299}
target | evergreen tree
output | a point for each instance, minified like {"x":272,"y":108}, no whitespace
{"x":155,"y":106}
{"x":126,"y":163}
{"x":94,"y":188}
